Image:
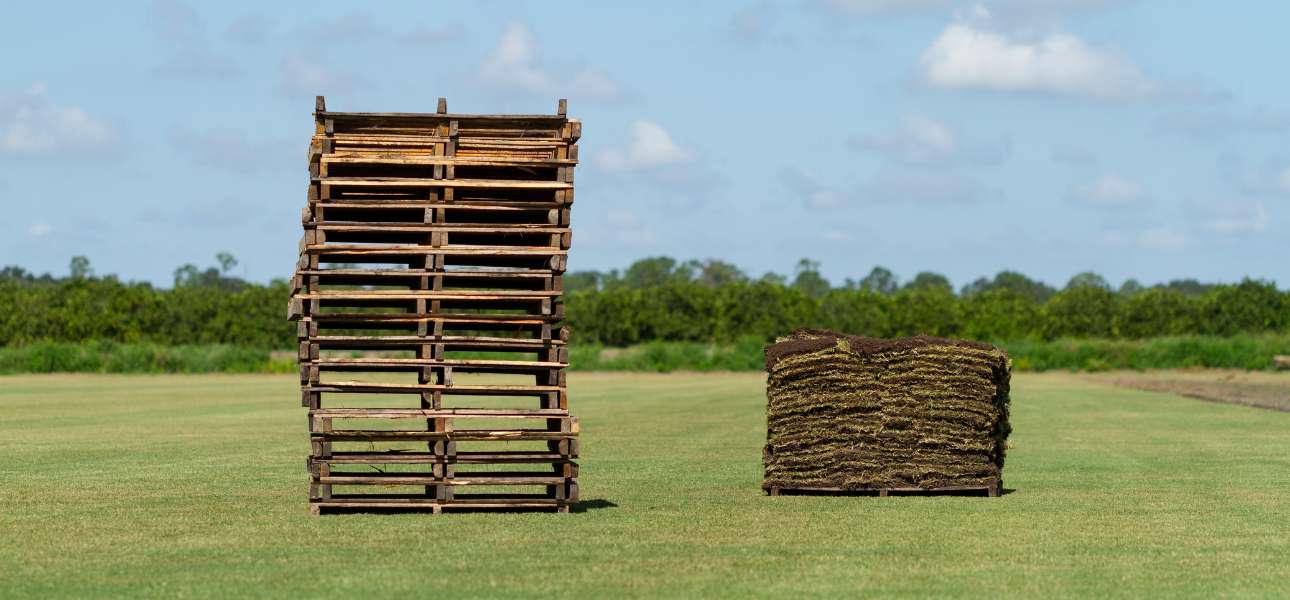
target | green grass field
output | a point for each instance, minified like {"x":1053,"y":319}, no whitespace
{"x":195,"y":486}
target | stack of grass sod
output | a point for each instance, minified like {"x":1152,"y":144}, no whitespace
{"x":849,"y":413}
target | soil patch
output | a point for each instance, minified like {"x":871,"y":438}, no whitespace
{"x":1247,"y":388}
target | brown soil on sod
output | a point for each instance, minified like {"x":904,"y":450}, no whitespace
{"x":1247,"y":388}
{"x":851,"y":412}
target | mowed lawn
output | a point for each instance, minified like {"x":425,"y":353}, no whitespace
{"x":195,"y":486}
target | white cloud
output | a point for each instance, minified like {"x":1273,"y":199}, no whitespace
{"x":814,"y":194}
{"x":651,"y":146}
{"x":32,"y":125}
{"x":924,"y":141}
{"x":1284,"y":181}
{"x":515,"y":65}
{"x":1108,"y":191}
{"x":967,"y":57}
{"x":39,"y":229}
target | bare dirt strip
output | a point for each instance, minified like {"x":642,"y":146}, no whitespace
{"x":1261,"y":389}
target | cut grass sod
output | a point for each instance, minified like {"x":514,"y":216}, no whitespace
{"x":195,"y":486}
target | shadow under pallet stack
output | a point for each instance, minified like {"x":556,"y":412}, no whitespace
{"x":428,"y":307}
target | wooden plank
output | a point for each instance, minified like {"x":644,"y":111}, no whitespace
{"x":397,"y":227}
{"x":450,"y":183}
{"x":436,"y":117}
{"x":463,"y":249}
{"x":411,"y":413}
{"x":428,"y":362}
{"x":353,"y":158}
{"x":478,"y":389}
{"x":481,"y":435}
{"x":431,"y":458}
{"x":481,"y":295}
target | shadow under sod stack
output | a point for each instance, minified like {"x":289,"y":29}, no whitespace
{"x":428,"y":301}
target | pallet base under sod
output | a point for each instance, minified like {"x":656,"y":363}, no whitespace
{"x":992,"y":490}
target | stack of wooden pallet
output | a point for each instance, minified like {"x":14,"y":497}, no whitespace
{"x":428,"y":301}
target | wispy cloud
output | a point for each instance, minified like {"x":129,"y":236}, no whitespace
{"x":756,"y":24}
{"x":250,"y":29}
{"x":882,"y":7}
{"x":1231,"y":218}
{"x":628,"y":227}
{"x":906,"y":186}
{"x":1109,"y":191}
{"x":39,"y":229}
{"x":307,"y":76}
{"x":1027,"y":8}
{"x":1072,"y":155}
{"x":650,"y":146}
{"x":230,"y":149}
{"x":1213,"y":125}
{"x":515,"y":66}
{"x":31,"y":125}
{"x":189,"y":56}
{"x":924,"y":141}
{"x":814,"y":194}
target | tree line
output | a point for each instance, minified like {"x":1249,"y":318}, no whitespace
{"x":663,"y":299}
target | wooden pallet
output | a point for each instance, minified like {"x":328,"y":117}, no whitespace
{"x":992,"y":490}
{"x":430,"y":240}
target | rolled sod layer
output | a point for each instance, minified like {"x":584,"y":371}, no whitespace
{"x":850,"y":412}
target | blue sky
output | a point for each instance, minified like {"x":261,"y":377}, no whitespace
{"x":1133,"y":138}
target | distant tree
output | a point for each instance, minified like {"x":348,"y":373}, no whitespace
{"x":928,"y":280}
{"x":1130,"y":287}
{"x":575,"y":281}
{"x":1190,"y":287}
{"x":977,"y":286}
{"x":715,"y":273}
{"x":1088,"y":279}
{"x":999,"y":314}
{"x":15,"y":273}
{"x":1247,"y":307}
{"x":880,"y":280}
{"x":1081,"y":310}
{"x":773,"y":278}
{"x":1157,"y":311}
{"x":933,"y":310}
{"x":189,"y":275}
{"x":80,"y":267}
{"x":808,"y":279}
{"x":655,"y":271}
{"x":1019,"y":284}
{"x":226,"y":262}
